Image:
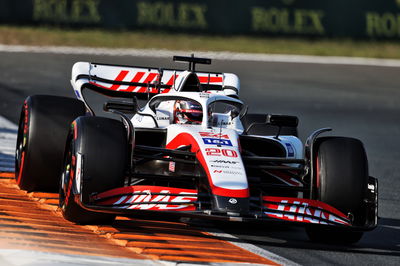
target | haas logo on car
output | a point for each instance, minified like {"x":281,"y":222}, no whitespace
{"x":145,"y":200}
{"x":302,"y":212}
{"x":214,"y":135}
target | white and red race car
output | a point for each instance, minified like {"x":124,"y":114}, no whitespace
{"x":191,"y":151}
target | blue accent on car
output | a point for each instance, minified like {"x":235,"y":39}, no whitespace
{"x":290,"y":149}
{"x":78,"y":95}
{"x":222,"y":142}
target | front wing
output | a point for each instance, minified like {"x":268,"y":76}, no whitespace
{"x":181,"y":202}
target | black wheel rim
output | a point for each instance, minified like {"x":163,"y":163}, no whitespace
{"x":22,"y":138}
{"x":65,"y":176}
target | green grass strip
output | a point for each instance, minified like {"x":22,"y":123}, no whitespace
{"x":163,"y":40}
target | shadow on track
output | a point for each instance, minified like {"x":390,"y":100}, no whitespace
{"x":384,"y":240}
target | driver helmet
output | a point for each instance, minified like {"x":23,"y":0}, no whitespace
{"x":187,"y":112}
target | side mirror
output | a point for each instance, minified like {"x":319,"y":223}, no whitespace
{"x":243,"y":112}
{"x":282,"y":120}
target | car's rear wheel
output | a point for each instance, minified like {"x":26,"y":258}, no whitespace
{"x":42,"y":132}
{"x":341,"y":181}
{"x":264,"y":129}
{"x":95,"y":161}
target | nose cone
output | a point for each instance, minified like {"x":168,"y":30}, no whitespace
{"x":230,"y":204}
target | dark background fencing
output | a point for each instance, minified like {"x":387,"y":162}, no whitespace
{"x":360,"y":19}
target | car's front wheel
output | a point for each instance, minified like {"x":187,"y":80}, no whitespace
{"x":341,"y":181}
{"x":95,"y":161}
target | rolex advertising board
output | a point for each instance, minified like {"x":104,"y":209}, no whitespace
{"x":361,"y":19}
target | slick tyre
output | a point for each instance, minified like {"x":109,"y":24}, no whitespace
{"x":43,"y":128}
{"x":265,"y":130}
{"x":341,"y":181}
{"x":95,"y":161}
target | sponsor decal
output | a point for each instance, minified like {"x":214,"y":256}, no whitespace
{"x":383,"y":24}
{"x":224,"y":161}
{"x":296,"y":210}
{"x":145,"y":200}
{"x":228,"y":172}
{"x":278,"y":20}
{"x":226,"y":166}
{"x":63,"y":11}
{"x":222,"y":142}
{"x":232,"y":201}
{"x":171,"y":167}
{"x":214,"y":135}
{"x":223,"y":123}
{"x":290,"y":149}
{"x":179,"y":15}
{"x":204,"y":95}
{"x":162,"y":118}
{"x":135,"y":199}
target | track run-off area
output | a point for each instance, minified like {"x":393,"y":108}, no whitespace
{"x":355,"y":99}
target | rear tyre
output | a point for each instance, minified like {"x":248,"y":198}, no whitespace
{"x":264,"y":129}
{"x":42,"y":132}
{"x":95,"y":161}
{"x":341,"y":181}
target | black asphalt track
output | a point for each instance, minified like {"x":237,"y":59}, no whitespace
{"x":357,"y":101}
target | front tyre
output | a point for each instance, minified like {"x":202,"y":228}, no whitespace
{"x":95,"y":161}
{"x":341,"y":181}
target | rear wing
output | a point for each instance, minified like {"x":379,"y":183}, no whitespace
{"x":144,"y":82}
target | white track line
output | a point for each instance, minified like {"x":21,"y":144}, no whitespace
{"x":155,"y":53}
{"x":16,"y":257}
{"x":8,"y":138}
{"x":252,"y":248}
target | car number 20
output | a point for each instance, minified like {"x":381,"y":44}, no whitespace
{"x":221,"y":152}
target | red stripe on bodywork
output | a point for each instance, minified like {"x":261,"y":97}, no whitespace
{"x":285,"y":178}
{"x":171,"y":80}
{"x":149,"y":79}
{"x":120,"y":77}
{"x":98,"y":85}
{"x":211,"y":80}
{"x":184,"y":139}
{"x":136,"y":78}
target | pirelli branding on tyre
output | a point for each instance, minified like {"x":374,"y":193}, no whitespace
{"x":362,"y":19}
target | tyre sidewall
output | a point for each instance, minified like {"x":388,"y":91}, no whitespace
{"x":342,"y":176}
{"x":102,"y":145}
{"x":45,"y":128}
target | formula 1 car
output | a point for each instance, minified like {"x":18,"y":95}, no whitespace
{"x":192,"y":151}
